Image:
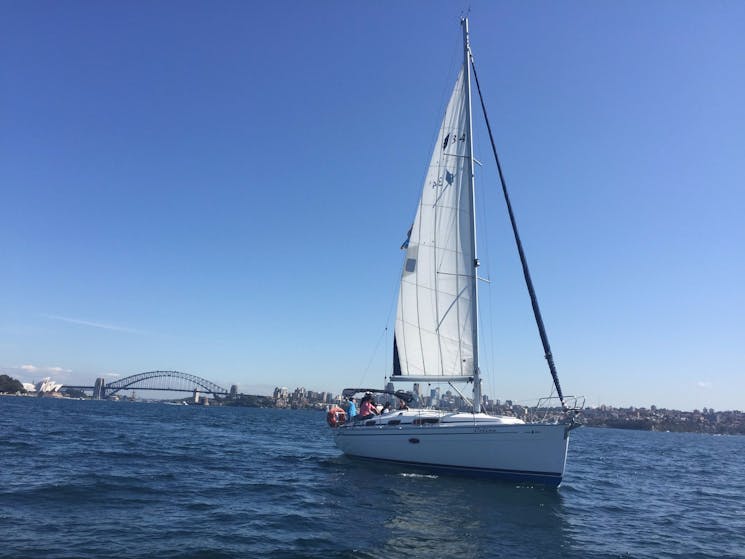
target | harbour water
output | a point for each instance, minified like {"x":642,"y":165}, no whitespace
{"x":120,"y":479}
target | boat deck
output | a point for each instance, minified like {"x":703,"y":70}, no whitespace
{"x":431,"y":417}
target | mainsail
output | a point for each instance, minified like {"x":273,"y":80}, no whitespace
{"x":435,"y":335}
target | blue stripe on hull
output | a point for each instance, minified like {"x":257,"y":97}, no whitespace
{"x":544,"y":478}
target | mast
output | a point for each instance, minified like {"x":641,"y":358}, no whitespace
{"x":475,"y":263}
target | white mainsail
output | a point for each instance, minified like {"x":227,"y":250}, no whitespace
{"x":435,"y":335}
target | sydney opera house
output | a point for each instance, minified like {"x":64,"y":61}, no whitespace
{"x":45,"y":386}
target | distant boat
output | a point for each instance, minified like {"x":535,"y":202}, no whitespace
{"x":436,"y":337}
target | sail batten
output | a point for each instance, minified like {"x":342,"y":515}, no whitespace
{"x":434,"y":321}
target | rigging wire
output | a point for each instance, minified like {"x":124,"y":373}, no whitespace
{"x":529,"y":283}
{"x":372,"y":357}
{"x":486,"y":265}
{"x":383,"y":335}
{"x":445,"y":90}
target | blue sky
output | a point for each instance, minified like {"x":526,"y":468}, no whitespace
{"x":221,"y":188}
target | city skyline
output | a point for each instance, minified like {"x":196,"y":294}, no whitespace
{"x":223,"y":190}
{"x":426,"y":391}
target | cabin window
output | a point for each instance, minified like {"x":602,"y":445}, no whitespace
{"x":394,"y":422}
{"x":426,"y":420}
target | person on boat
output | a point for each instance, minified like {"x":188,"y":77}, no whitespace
{"x":367,"y":408}
{"x":402,"y":405}
{"x":386,"y":408}
{"x":352,"y":408}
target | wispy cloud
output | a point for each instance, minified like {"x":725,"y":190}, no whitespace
{"x":703,"y":384}
{"x":35,"y":369}
{"x":30,"y":372}
{"x":92,"y":324}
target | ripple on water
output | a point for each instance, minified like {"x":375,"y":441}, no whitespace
{"x":98,"y":479}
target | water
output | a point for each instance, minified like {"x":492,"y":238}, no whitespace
{"x":114,"y":479}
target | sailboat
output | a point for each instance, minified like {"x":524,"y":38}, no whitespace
{"x":436,"y":333}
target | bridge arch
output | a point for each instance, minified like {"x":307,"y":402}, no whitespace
{"x":172,"y":381}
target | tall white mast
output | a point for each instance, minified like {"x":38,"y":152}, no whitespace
{"x":475,"y":263}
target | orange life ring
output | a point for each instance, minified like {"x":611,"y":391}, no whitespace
{"x":336,"y":416}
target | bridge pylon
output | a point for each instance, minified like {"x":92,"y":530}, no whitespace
{"x":99,"y":390}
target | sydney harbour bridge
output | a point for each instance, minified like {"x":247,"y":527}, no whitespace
{"x":167,"y":381}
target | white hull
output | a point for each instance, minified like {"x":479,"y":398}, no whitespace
{"x":477,"y":445}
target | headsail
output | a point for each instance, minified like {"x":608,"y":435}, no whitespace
{"x":435,"y":332}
